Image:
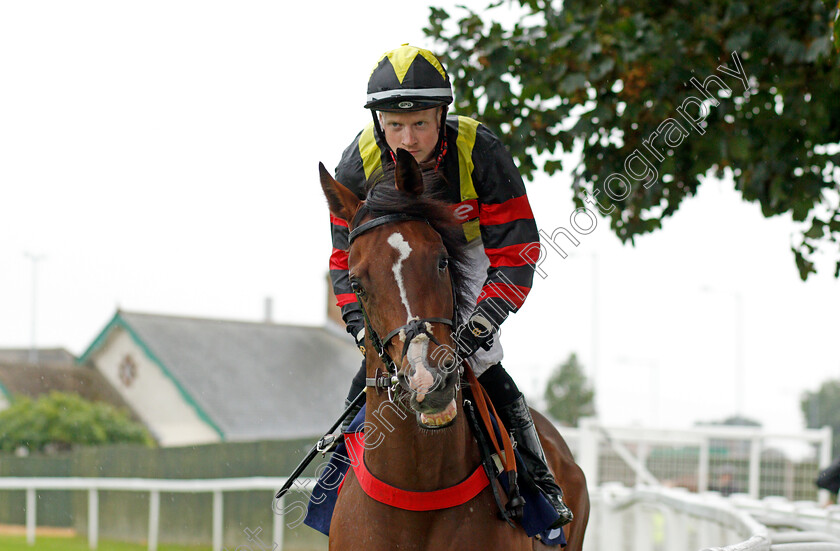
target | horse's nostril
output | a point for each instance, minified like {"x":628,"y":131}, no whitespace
{"x":448,"y":363}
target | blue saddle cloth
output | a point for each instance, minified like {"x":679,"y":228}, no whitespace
{"x":537,"y":516}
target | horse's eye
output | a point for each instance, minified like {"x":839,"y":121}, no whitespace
{"x":443,"y":263}
{"x":357,"y":287}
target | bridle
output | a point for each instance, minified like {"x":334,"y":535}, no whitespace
{"x":414,"y":328}
{"x":389,"y":379}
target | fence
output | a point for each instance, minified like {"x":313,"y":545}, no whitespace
{"x":757,"y":462}
{"x":638,"y":519}
{"x":185,"y":517}
{"x":726,"y":459}
{"x":673,"y":519}
{"x":215,"y":487}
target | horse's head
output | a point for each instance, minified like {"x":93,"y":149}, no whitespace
{"x":402,"y":269}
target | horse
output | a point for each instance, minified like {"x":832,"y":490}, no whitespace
{"x":406,"y":266}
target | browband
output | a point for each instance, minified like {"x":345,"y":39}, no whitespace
{"x":387,"y":219}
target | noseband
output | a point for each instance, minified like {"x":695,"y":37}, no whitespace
{"x":412,"y":329}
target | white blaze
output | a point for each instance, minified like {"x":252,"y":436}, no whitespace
{"x":421,"y":380}
{"x":397,"y":241}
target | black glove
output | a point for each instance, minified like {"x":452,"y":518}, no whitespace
{"x":356,"y":327}
{"x":477,"y":332}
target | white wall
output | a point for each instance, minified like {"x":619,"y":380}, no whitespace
{"x":152,"y":394}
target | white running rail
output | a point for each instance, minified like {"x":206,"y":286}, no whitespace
{"x":645,"y":518}
{"x":672,"y":519}
{"x":217,"y":487}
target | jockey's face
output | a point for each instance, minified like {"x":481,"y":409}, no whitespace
{"x":415,"y":131}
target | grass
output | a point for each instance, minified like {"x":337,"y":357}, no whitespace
{"x":46,"y":543}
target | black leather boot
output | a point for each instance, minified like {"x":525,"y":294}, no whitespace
{"x":517,"y":418}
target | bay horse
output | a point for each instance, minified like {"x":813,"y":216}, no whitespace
{"x":406,"y":266}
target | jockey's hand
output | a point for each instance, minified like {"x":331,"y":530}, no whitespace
{"x":359,"y":337}
{"x":477,"y":332}
{"x":356,"y":328}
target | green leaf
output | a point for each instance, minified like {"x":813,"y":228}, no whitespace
{"x":805,"y":267}
{"x":571,"y":59}
{"x":572,"y":83}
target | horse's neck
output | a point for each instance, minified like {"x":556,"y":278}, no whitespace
{"x":400,"y":453}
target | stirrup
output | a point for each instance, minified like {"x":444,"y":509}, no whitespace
{"x":515,"y":507}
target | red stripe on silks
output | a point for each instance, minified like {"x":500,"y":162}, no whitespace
{"x":512,"y":294}
{"x":517,"y":208}
{"x":337,"y":221}
{"x":514,"y":255}
{"x":345,"y":298}
{"x":406,"y":499}
{"x":338,"y":260}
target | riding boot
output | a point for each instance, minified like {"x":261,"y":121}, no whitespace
{"x":517,"y":418}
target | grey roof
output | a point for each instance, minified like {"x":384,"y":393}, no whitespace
{"x":56,"y":357}
{"x":253,"y":380}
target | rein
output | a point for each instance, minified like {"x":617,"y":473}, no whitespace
{"x":468,"y":489}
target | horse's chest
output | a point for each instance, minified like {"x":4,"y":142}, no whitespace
{"x":359,"y":522}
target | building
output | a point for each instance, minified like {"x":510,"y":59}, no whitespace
{"x":193,"y":381}
{"x":31,"y":373}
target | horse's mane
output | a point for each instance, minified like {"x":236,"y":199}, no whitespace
{"x":384,"y":198}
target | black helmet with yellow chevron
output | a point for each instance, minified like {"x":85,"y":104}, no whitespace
{"x":408,"y":79}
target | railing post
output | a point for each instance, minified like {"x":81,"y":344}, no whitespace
{"x":277,"y":525}
{"x":31,"y":518}
{"x":755,"y":466}
{"x":610,"y":526}
{"x":154,"y":519}
{"x":93,"y":518}
{"x":643,"y":527}
{"x":218,"y":505}
{"x":823,"y":497}
{"x":676,"y":531}
{"x":703,"y":467}
{"x":589,"y":451}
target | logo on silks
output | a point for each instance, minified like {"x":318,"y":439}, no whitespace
{"x":405,"y":104}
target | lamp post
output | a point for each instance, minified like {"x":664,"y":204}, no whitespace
{"x":33,"y":350}
{"x":593,"y":371}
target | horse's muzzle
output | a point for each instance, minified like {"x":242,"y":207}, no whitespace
{"x":431,"y":380}
{"x":432,"y":395}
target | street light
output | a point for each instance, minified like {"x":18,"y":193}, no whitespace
{"x":595,"y":321}
{"x":35,"y":258}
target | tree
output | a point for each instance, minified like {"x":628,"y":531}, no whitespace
{"x":731,"y":421}
{"x":639,"y":88}
{"x":822,"y":408}
{"x":61,"y":419}
{"x":568,"y":394}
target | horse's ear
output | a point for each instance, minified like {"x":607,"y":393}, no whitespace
{"x":343,"y":202}
{"x":408,"y":177}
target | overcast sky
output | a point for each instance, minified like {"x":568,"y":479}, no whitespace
{"x":161,"y":157}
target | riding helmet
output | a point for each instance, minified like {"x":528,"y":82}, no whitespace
{"x":408,"y":79}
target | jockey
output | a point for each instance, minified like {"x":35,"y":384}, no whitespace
{"x":408,"y":95}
